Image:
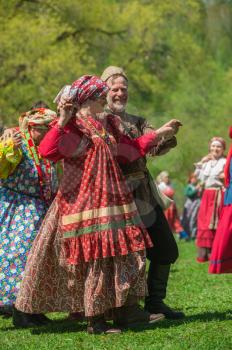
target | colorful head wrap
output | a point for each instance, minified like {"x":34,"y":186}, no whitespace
{"x":87,"y":87}
{"x":37,"y":116}
{"x":111,"y":71}
{"x":218,"y":139}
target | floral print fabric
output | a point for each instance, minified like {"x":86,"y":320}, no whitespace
{"x":92,"y":288}
{"x":21,"y":214}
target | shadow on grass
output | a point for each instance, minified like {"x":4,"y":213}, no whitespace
{"x":64,"y":326}
{"x":202,"y":317}
{"x":57,"y":326}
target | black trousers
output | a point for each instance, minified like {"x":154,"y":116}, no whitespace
{"x":165,"y":250}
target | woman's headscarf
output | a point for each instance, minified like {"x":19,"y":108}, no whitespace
{"x":87,"y":87}
{"x":218,"y":139}
{"x":35,"y":117}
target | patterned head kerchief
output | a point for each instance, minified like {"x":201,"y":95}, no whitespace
{"x":37,"y":116}
{"x":88,"y":86}
{"x":218,"y":139}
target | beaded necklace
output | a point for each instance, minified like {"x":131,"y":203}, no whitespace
{"x":103,"y":134}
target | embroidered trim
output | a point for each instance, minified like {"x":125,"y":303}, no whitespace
{"x":98,"y":228}
{"x":96,"y":213}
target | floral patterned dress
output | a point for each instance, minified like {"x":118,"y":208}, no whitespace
{"x":21,"y":213}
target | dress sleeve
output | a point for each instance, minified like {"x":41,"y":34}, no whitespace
{"x":10,"y":157}
{"x":59,"y":143}
{"x":130,"y":150}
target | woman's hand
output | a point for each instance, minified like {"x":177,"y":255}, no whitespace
{"x":221,"y":176}
{"x":66,"y":108}
{"x":14,"y":135}
{"x":207,"y":158}
{"x":17,"y":140}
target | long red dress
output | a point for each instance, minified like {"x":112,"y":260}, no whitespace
{"x":210,"y":207}
{"x":89,"y":255}
{"x":221,"y":257}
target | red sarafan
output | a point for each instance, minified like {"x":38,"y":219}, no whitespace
{"x":221,"y":257}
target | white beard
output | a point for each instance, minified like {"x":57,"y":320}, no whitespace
{"x":116,"y":107}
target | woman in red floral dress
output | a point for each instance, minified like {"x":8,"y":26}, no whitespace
{"x":89,"y":255}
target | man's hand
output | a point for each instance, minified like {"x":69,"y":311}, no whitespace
{"x":168,"y":130}
{"x":175,"y":124}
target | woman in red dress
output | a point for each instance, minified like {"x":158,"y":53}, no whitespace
{"x":221,"y":257}
{"x":210,"y":173}
{"x":171,"y":213}
{"x":89,"y":255}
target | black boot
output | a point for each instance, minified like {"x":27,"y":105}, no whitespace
{"x":98,"y":325}
{"x":6,"y":311}
{"x":23,"y":319}
{"x":157,"y":286}
{"x":40,"y":319}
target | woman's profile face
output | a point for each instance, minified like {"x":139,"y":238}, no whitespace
{"x":97,"y":106}
{"x":216,"y":150}
{"x":38,"y":133}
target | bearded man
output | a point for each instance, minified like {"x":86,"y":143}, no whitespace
{"x":165,"y":250}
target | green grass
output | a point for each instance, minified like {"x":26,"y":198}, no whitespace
{"x":206,"y":300}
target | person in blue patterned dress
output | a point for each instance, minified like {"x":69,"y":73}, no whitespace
{"x":27,"y":186}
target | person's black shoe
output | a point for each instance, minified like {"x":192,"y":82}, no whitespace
{"x":169,"y":313}
{"x":6,"y":311}
{"x":40,"y":319}
{"x":22,"y":319}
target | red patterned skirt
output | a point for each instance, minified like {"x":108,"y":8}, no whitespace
{"x":208,"y":215}
{"x":51,"y":284}
{"x":99,"y":218}
{"x":221,"y":257}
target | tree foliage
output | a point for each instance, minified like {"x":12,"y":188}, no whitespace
{"x":177,"y":55}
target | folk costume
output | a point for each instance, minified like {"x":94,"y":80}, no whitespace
{"x":171,"y":213}
{"x":165,"y":250}
{"x":190,"y":212}
{"x":221,"y":257}
{"x":92,"y":242}
{"x":211,"y":203}
{"x":27,"y":185}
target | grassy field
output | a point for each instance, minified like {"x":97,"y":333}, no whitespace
{"x":206,"y":300}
